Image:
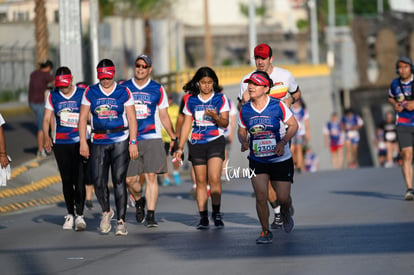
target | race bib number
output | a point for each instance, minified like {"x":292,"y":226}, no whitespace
{"x":264,"y":147}
{"x":202,"y":119}
{"x":141,"y":111}
{"x":68,"y":119}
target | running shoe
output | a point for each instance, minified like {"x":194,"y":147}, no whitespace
{"x":409,"y":195}
{"x":105,"y":225}
{"x":121,"y":229}
{"x":89,"y":204}
{"x":203,"y":224}
{"x":80,"y":224}
{"x":68,"y":222}
{"x":288,"y":223}
{"x":150,"y":222}
{"x":140,"y":210}
{"x":218,"y":219}
{"x":166,"y":182}
{"x":277,"y":222}
{"x":177,"y":179}
{"x":265,"y":237}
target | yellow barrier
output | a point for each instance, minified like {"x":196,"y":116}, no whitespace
{"x":174,"y":82}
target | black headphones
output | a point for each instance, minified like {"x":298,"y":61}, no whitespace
{"x":404,"y":59}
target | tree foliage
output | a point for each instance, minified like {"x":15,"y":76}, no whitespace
{"x":360,"y":8}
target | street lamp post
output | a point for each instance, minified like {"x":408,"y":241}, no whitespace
{"x":314,"y":32}
{"x":252,"y":31}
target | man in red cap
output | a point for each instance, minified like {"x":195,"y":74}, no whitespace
{"x":284,"y":88}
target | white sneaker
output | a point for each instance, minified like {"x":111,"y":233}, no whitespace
{"x":80,"y":224}
{"x":121,"y":228}
{"x":68,"y":225}
{"x":105,"y":225}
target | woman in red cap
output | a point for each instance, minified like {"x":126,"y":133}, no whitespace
{"x":262,"y":131}
{"x":63,"y":105}
{"x":113,"y":141}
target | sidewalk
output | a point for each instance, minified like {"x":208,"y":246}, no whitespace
{"x":12,"y":108}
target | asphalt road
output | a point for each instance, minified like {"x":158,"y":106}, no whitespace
{"x":347,"y":222}
{"x":20,"y":132}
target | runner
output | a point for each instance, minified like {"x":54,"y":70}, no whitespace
{"x":150,"y":102}
{"x":262,"y":130}
{"x":63,"y":106}
{"x":207,"y":113}
{"x":284,"y":88}
{"x":112,"y":109}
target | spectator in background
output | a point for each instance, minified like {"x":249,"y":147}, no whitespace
{"x":388,"y":129}
{"x":40,"y":80}
{"x":351,"y":123}
{"x":311,"y":162}
{"x":302,"y":136}
{"x":334,"y":140}
{"x":4,"y":160}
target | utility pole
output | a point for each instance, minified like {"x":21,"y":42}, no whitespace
{"x":71,"y":37}
{"x":252,"y":31}
{"x":380,"y":9}
{"x":314,"y":32}
{"x":94,"y":17}
{"x":207,"y":37}
{"x":331,"y":55}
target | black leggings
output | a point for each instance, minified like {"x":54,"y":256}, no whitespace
{"x":115,"y":156}
{"x":70,"y":165}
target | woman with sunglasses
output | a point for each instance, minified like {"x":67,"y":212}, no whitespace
{"x":207,"y":114}
{"x":63,"y":106}
{"x":262,"y":131}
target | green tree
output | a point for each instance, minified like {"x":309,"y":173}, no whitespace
{"x":244,"y":9}
{"x":361,"y":8}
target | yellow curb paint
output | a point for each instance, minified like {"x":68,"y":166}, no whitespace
{"x":35,"y":202}
{"x":43,"y":183}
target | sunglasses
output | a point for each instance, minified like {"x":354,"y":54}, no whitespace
{"x":141,"y":66}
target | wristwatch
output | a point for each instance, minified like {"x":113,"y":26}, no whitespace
{"x":133,"y":141}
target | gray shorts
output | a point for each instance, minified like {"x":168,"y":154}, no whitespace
{"x":151,"y":158}
{"x":405,"y":136}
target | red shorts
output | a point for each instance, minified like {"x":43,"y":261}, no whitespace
{"x":335,"y":147}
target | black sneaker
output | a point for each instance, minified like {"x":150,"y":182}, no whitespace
{"x":203,"y":224}
{"x":150,"y":222}
{"x":265,"y":237}
{"x":218,"y":219}
{"x":140,"y":210}
{"x":277,"y":222}
{"x":89,"y":204}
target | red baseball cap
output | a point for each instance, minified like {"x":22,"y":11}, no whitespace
{"x":263,"y":51}
{"x":257,"y":79}
{"x":63,"y":80}
{"x":106,"y":72}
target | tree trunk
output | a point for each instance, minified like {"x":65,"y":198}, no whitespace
{"x":41,"y":32}
{"x":148,"y":37}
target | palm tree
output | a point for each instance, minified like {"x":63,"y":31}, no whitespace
{"x":41,"y":32}
{"x":147,"y":9}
